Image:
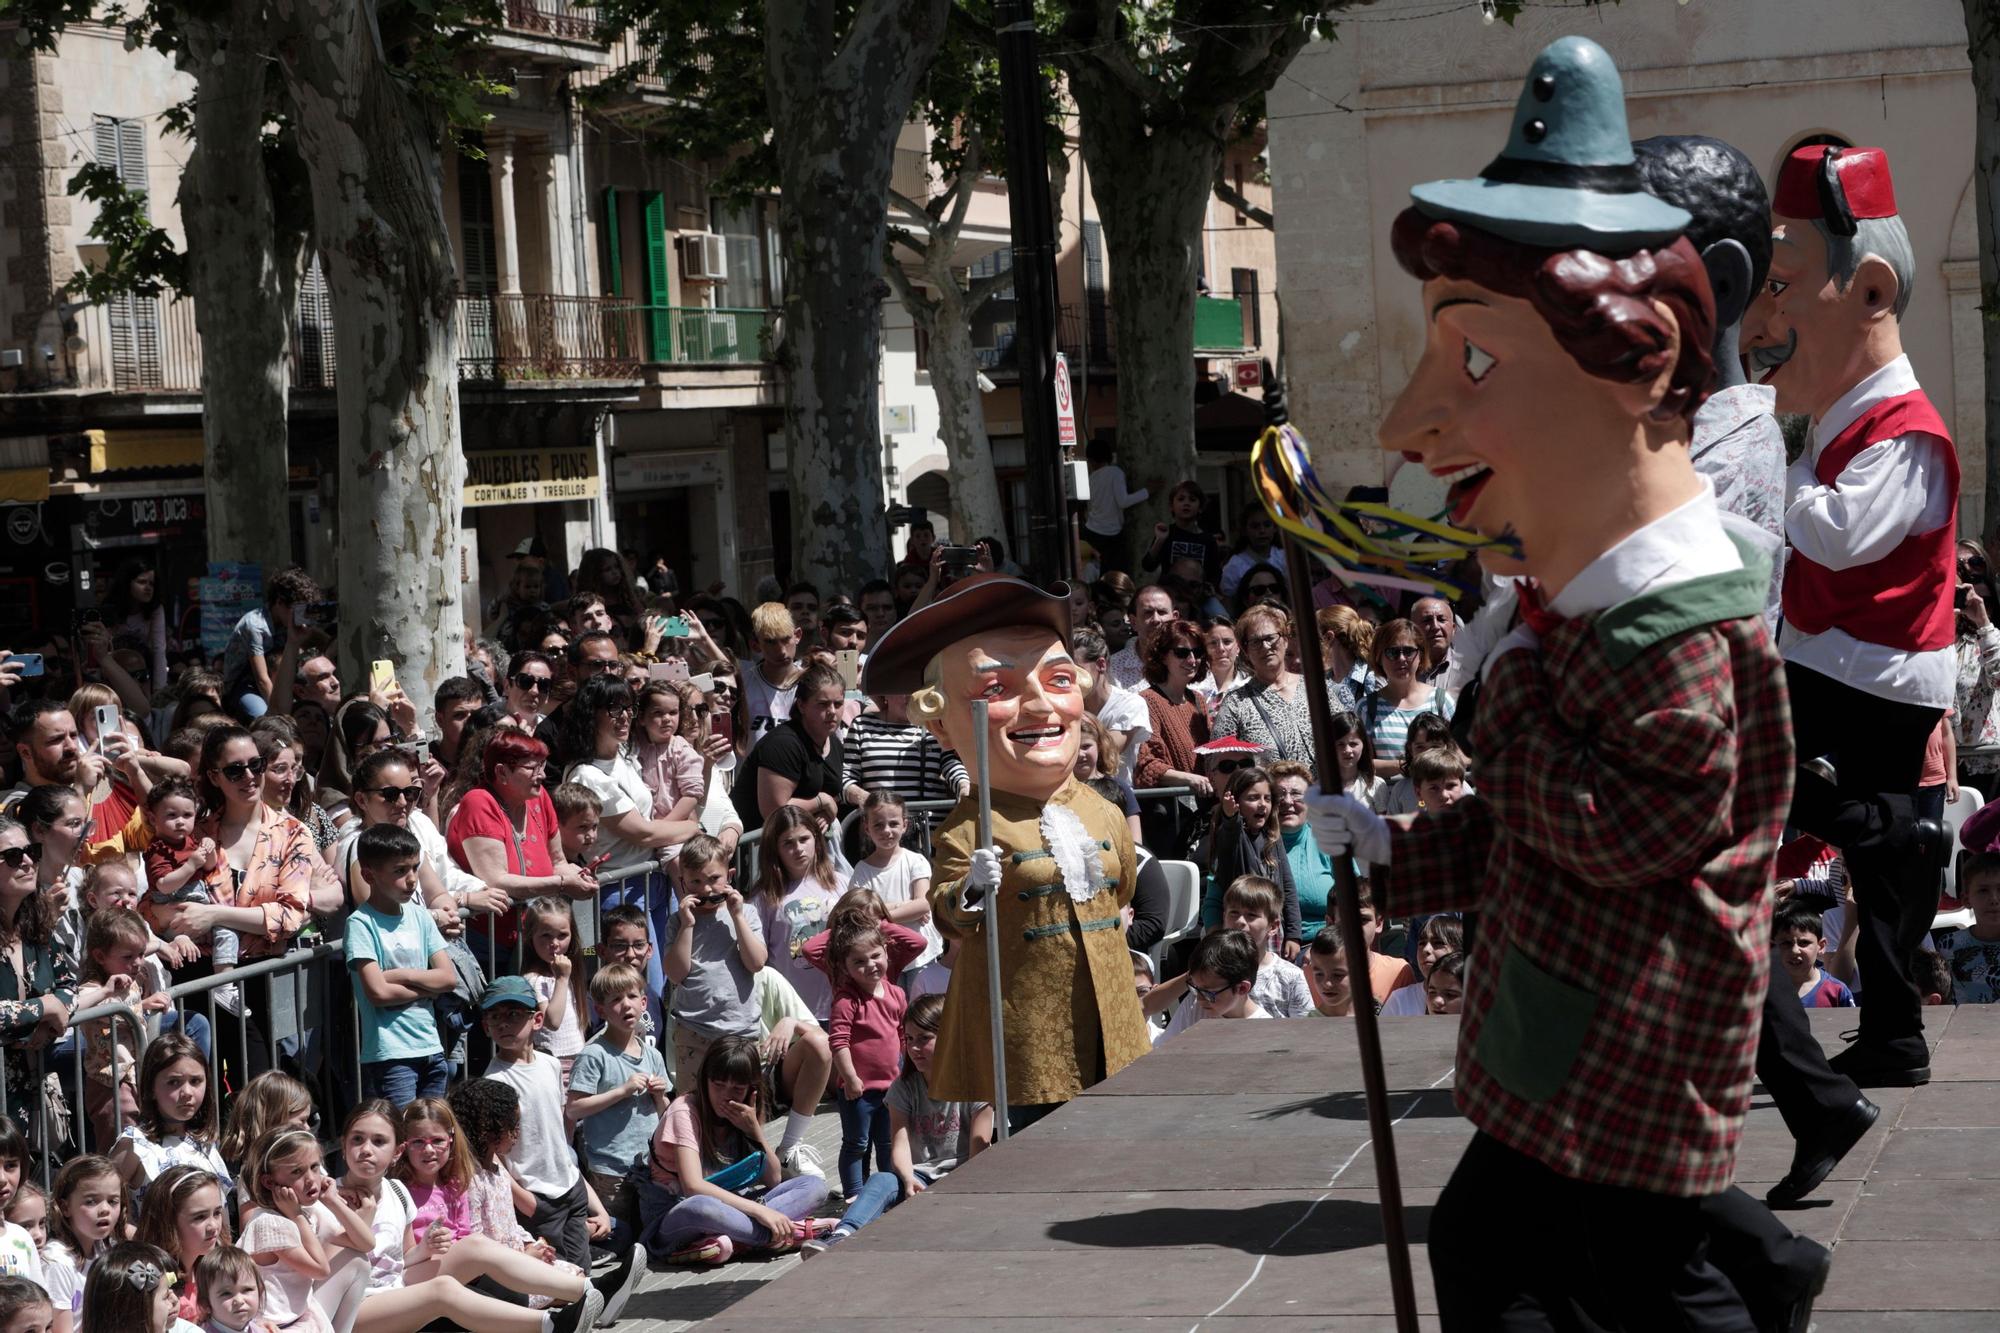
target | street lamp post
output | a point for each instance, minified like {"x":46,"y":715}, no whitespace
{"x":1048,"y":553}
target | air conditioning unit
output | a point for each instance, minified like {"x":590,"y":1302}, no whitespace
{"x":704,"y":257}
{"x":721,"y":333}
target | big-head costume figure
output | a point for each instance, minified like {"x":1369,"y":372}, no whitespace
{"x":1871,"y":514}
{"x":1634,"y":751}
{"x":1061,"y":866}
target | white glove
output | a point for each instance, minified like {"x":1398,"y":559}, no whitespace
{"x":1341,"y":823}
{"x":983,"y":878}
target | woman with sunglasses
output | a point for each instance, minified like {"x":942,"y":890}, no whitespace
{"x":531,"y":683}
{"x":38,"y":978}
{"x":504,"y":833}
{"x":1388,"y":711}
{"x":1262,"y":585}
{"x":1177,"y":717}
{"x":359,"y":729}
{"x":261,"y":885}
{"x":1271,"y":709}
{"x":596,"y":746}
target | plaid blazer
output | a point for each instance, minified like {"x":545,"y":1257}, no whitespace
{"x":1633,"y":781}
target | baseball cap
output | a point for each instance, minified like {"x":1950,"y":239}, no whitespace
{"x":509,"y":990}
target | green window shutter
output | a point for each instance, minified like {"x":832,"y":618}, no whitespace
{"x":614,"y":259}
{"x":659,"y":319}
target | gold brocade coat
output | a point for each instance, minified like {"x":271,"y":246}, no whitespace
{"x":1065,"y":974}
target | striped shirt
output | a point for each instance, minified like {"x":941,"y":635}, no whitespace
{"x":902,"y":758}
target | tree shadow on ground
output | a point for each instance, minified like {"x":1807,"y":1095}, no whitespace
{"x":1330,"y":1226}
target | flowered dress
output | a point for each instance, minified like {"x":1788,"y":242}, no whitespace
{"x":47,"y":968}
{"x":1978,"y":721}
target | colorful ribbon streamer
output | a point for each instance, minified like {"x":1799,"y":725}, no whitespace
{"x":1400,"y":555}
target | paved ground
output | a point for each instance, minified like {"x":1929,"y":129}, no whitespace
{"x":1224,"y":1182}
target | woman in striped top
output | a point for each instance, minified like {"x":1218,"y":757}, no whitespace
{"x":886,"y":752}
{"x":1389,"y":710}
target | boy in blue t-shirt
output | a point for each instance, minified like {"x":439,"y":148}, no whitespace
{"x":1798,"y":937}
{"x":1973,"y":952}
{"x":398,"y":961}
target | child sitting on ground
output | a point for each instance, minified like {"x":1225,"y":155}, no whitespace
{"x":1326,"y":975}
{"x":926,"y":1137}
{"x":1799,"y":937}
{"x":1972,"y":952}
{"x":721,"y":1185}
{"x":1445,"y":986}
{"x":1254,"y":906}
{"x":1385,"y":974}
{"x":1217,"y":983}
{"x":1443,"y":933}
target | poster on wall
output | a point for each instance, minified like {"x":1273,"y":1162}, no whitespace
{"x":231,"y":590}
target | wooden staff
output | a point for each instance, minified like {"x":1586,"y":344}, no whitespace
{"x":988,"y":926}
{"x":1347,"y":899}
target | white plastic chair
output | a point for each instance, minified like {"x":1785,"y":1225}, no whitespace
{"x":1955,"y":814}
{"x":1183,"y":907}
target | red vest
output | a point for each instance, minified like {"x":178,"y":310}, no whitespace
{"x":1903,"y":600}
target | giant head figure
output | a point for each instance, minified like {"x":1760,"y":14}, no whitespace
{"x":1003,"y":640}
{"x":1567,"y":331}
{"x":1831,"y":312}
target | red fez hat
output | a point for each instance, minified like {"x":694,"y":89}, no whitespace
{"x":972,"y":605}
{"x":1836,"y":185}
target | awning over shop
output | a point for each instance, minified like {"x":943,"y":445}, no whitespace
{"x":24,"y":485}
{"x":126,"y":450}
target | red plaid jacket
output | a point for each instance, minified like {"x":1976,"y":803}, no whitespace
{"x":1633,"y":781}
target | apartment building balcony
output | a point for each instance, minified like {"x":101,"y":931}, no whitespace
{"x":710,"y":357}
{"x":1088,"y":333}
{"x":516,"y":338}
{"x":557,"y":32}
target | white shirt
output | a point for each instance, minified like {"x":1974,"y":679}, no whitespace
{"x":1109,"y":500}
{"x":1126,"y":668}
{"x":1280,"y":988}
{"x":1686,"y":544}
{"x":1890,"y":491}
{"x":542,"y":1160}
{"x":621,"y":789}
{"x":1124,"y":711}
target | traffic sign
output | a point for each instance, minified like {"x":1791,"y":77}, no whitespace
{"x":1065,"y":407}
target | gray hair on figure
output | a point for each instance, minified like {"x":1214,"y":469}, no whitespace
{"x":1886,"y":239}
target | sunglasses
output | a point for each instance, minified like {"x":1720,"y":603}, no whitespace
{"x":1399,"y":654}
{"x":1266,"y":640}
{"x":242,"y":768}
{"x":1258,"y":589}
{"x":414,"y":793}
{"x":522,"y":680}
{"x":619,"y":710}
{"x":1182,"y":652}
{"x":26,"y":854}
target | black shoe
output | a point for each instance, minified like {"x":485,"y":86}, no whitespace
{"x":1871,"y":1067}
{"x":1797,"y":1316}
{"x":1930,"y":842}
{"x":1813,"y":1161}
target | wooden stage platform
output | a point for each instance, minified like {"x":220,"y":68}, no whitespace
{"x":1224,"y":1182}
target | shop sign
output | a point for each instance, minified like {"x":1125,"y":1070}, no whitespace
{"x":531,"y":476}
{"x":665,"y":471}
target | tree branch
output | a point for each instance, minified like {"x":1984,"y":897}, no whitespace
{"x":923,"y":309}
{"x":1232,"y":196}
{"x":980,"y":290}
{"x":962,"y":183}
{"x":918,"y":212}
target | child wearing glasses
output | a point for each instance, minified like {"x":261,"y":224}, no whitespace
{"x":1217,"y":984}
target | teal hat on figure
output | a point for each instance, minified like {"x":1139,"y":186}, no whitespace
{"x":1567,"y":179}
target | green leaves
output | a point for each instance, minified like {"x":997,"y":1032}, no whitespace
{"x":140,"y":258}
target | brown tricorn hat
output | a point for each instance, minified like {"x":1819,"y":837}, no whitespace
{"x":985,"y":601}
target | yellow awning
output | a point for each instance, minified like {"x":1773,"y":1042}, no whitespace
{"x":24,"y":485}
{"x":124,"y":450}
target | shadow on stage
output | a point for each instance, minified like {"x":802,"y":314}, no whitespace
{"x":1274,"y":1228}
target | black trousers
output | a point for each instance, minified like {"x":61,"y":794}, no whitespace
{"x":1877,"y":749}
{"x":1770,"y":1264}
{"x":1793,"y":1068}
{"x":1515,"y":1247}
